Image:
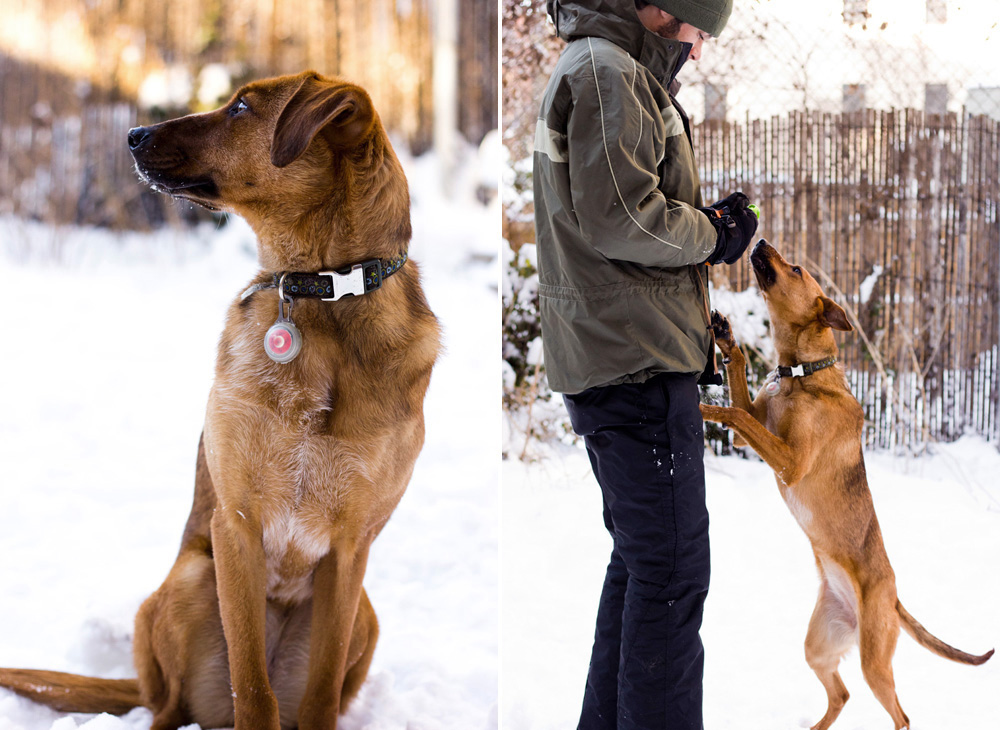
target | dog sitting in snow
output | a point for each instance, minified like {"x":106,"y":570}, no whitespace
{"x":807,"y":426}
{"x":313,"y":424}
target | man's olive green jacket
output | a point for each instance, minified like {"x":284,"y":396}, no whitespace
{"x":620,"y":240}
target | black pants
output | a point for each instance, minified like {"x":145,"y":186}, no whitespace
{"x":646,"y":446}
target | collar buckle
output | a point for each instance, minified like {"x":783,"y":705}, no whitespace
{"x":798,"y":371}
{"x":352,"y":283}
{"x":363,"y":278}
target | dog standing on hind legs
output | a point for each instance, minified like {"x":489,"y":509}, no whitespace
{"x":807,"y":426}
{"x":313,"y":424}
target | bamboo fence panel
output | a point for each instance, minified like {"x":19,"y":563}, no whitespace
{"x":907,"y":204}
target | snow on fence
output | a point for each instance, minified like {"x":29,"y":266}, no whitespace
{"x":896,"y":213}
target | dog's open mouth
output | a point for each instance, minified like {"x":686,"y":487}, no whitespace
{"x":760,"y":259}
{"x":197,"y":190}
{"x":202,"y":191}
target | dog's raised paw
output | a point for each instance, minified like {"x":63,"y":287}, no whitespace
{"x":723,"y":331}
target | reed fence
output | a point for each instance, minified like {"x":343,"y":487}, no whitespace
{"x":896,"y":212}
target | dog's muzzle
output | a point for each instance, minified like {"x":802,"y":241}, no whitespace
{"x":760,"y":259}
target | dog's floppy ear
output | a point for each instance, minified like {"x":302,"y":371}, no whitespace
{"x":342,"y":112}
{"x":833,"y":315}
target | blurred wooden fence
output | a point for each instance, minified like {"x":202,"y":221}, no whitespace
{"x":900,"y":210}
{"x":63,"y":156}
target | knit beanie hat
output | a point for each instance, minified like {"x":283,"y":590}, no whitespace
{"x":709,"y":16}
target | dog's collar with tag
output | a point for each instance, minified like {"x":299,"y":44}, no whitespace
{"x":805,"y":368}
{"x":329,"y":286}
{"x":283,"y":341}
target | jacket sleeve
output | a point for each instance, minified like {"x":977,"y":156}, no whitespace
{"x":613,"y":143}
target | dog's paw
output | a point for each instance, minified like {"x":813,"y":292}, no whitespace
{"x":723,"y":332}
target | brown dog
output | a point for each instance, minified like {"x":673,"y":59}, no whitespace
{"x":263,"y":621}
{"x":807,"y":426}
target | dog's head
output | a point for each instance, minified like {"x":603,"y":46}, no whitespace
{"x":278,"y":149}
{"x":802,"y":317}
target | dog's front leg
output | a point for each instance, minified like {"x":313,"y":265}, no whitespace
{"x":736,"y":364}
{"x":336,"y":594}
{"x":787,"y":460}
{"x":739,"y":393}
{"x":241,"y":575}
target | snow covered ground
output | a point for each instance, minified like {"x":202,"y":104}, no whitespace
{"x":105,"y":370}
{"x":941,"y":521}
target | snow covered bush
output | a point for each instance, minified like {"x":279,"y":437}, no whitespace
{"x":747,"y":315}
{"x":521,"y":325}
{"x":533,"y":414}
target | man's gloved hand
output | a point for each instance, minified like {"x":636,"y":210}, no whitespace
{"x":735,"y":230}
{"x":731,"y":204}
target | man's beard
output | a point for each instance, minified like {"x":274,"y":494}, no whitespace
{"x":671,"y":30}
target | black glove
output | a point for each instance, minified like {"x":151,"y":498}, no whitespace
{"x":736,"y":201}
{"x":735,"y":231}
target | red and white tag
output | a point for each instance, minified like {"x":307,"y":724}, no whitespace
{"x":282,"y":342}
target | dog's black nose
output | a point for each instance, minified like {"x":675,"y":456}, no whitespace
{"x":136,"y":136}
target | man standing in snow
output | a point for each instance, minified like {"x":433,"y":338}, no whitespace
{"x":622,"y":239}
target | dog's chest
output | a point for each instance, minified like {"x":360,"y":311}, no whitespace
{"x":306,"y":507}
{"x":802,"y":514}
{"x":294,"y":542}
{"x":298,"y":527}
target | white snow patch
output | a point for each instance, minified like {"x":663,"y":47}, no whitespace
{"x":747,"y":314}
{"x":535,"y":350}
{"x":942,"y":533}
{"x":866,"y":286}
{"x":215,"y":84}
{"x":168,"y":88}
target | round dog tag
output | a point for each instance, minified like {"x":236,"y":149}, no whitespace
{"x":772,"y":387}
{"x":282,"y":341}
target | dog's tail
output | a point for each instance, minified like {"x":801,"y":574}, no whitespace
{"x":73,"y":693}
{"x":927,"y":640}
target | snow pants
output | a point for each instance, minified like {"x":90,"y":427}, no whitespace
{"x":646,"y":447}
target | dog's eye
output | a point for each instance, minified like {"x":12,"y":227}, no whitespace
{"x":238,"y":108}
{"x":797,"y":270}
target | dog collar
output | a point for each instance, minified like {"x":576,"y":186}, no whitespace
{"x":329,"y":286}
{"x":805,"y":368}
{"x":283,"y":341}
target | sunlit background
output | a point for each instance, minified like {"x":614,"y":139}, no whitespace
{"x":75,"y":75}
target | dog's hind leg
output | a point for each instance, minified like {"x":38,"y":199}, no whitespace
{"x":879,"y":632}
{"x":180,"y":650}
{"x":832,"y":631}
{"x":160,"y":692}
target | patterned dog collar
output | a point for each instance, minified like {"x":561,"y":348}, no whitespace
{"x":329,"y":286}
{"x":805,"y":368}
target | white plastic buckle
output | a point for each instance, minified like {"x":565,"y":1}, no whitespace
{"x":798,"y":371}
{"x":344,"y":284}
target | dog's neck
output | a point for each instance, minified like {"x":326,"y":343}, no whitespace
{"x":796,"y":345}
{"x":364,"y":215}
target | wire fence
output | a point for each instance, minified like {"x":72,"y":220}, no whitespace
{"x":778,"y":56}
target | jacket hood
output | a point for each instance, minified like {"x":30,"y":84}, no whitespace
{"x":616,"y":21}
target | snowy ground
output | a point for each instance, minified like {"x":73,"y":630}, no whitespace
{"x":105,"y":372}
{"x":941,"y":521}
